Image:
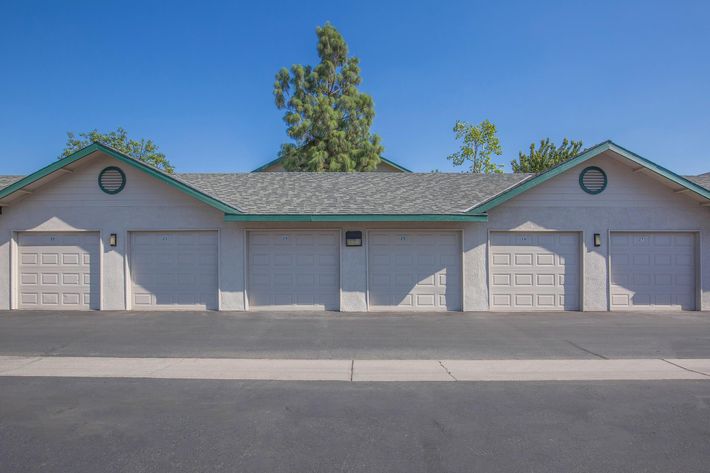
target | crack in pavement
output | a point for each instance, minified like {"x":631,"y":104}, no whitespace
{"x":686,"y":369}
{"x":29,"y":362}
{"x":441,"y":363}
{"x":587,"y":351}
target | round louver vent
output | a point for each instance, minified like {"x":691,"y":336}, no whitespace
{"x":592,"y":180}
{"x":112,"y":180}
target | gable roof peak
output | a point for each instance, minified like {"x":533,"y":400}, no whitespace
{"x":583,"y":156}
{"x":114,"y":153}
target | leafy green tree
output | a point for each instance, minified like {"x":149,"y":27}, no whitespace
{"x":142,"y":150}
{"x":545,"y":156}
{"x":480,"y":143}
{"x":327,"y":117}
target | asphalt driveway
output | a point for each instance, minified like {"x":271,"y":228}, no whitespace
{"x":570,"y":335}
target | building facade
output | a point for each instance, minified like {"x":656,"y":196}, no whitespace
{"x":606,"y":231}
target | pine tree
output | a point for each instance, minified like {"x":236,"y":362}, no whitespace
{"x":327,"y":117}
{"x":545,"y":156}
{"x":142,"y":150}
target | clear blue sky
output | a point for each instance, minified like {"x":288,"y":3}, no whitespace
{"x":197,"y":76}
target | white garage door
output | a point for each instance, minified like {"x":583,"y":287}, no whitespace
{"x":414,"y":270}
{"x":174,"y":270}
{"x":58,"y":271}
{"x":652,"y":271}
{"x":291,"y":270}
{"x":534,"y":271}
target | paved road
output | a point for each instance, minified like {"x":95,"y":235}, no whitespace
{"x":360,"y":336}
{"x":89,"y":425}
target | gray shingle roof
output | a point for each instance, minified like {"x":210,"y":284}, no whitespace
{"x":701,"y":180}
{"x":7,"y":180}
{"x":346,"y":193}
{"x":352,"y":193}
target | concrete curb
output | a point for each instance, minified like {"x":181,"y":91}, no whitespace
{"x":356,"y":370}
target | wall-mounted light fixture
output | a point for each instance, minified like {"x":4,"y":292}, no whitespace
{"x":597,"y":240}
{"x":353,"y":238}
{"x":113,"y":239}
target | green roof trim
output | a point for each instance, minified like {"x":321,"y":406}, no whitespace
{"x":273,"y":162}
{"x":94,"y":147}
{"x":263,"y":167}
{"x":394,"y":165}
{"x":354,"y":218}
{"x":584,"y":156}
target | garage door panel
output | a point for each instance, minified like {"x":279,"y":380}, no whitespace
{"x":653,"y":271}
{"x":58,"y":270}
{"x":292,"y":270}
{"x":327,"y":260}
{"x":620,"y":300}
{"x":543,"y":280}
{"x":174,"y":270}
{"x":524,"y":300}
{"x":502,"y":300}
{"x":50,"y":298}
{"x":548,"y":300}
{"x":329,"y":284}
{"x":416,"y":270}
{"x":426,"y":300}
{"x":74,"y":299}
{"x":534,"y":271}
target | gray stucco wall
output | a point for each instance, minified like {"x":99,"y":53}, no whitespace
{"x":632,"y":201}
{"x":74,"y":202}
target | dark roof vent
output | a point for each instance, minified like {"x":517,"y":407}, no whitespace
{"x":112,"y":180}
{"x":593,"y":180}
